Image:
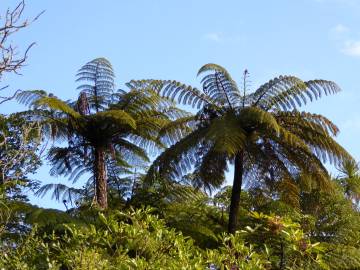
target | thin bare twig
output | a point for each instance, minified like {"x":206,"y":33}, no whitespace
{"x":11,"y":61}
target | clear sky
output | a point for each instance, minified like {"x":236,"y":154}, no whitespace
{"x":173,"y":39}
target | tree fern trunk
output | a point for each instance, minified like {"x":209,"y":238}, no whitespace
{"x":100,"y":178}
{"x":236,"y":192}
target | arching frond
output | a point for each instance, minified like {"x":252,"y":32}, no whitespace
{"x":290,"y":193}
{"x":316,"y":131}
{"x":57,"y":104}
{"x":99,"y":87}
{"x":178,"y":159}
{"x":28,"y":98}
{"x":60,"y":192}
{"x":289,"y":92}
{"x":210,"y":169}
{"x":116,"y":117}
{"x":185,"y":94}
{"x":65,"y":160}
{"x":173,"y":131}
{"x":137,"y":101}
{"x":252,"y":118}
{"x":131,"y":149}
{"x":227,"y":134}
{"x":220,"y":86}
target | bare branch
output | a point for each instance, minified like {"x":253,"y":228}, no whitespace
{"x":5,"y":99}
{"x":11,"y":22}
{"x":11,"y":61}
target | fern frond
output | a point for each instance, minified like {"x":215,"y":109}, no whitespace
{"x":252,"y":118}
{"x":60,"y":192}
{"x":173,"y":131}
{"x":185,"y":94}
{"x":288,"y":92}
{"x":132,"y":149}
{"x":57,"y":104}
{"x":227,"y":134}
{"x":28,"y":98}
{"x":99,"y":86}
{"x":178,"y":159}
{"x":117,"y":117}
{"x":220,"y":86}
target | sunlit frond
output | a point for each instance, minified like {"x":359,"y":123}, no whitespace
{"x":185,"y":94}
{"x":57,"y":104}
{"x":220,"y":86}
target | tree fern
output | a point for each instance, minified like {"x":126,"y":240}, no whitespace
{"x":103,"y":128}
{"x":255,"y":131}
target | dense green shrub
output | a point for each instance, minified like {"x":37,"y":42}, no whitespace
{"x":137,"y":239}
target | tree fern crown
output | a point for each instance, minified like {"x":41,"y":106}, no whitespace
{"x":97,"y":78}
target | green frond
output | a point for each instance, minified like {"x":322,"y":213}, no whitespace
{"x":29,"y":97}
{"x":57,"y":104}
{"x":178,"y":159}
{"x":214,"y":67}
{"x":291,"y":140}
{"x":118,"y":117}
{"x":132,"y":149}
{"x":290,"y":193}
{"x":227,"y":134}
{"x":60,"y":192}
{"x":316,"y":131}
{"x":174,"y":130}
{"x":211,"y":170}
{"x":288,"y":92}
{"x":185,"y":94}
{"x":252,"y":118}
{"x":220,"y":86}
{"x":66,"y":160}
{"x":272,"y":88}
{"x":308,"y":120}
{"x":138,"y":101}
{"x":99,"y":84}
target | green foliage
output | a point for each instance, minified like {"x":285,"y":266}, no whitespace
{"x":292,"y":215}
{"x":261,"y":133}
{"x":19,"y":145}
{"x":107,"y":131}
{"x":137,"y":239}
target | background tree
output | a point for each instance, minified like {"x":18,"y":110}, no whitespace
{"x":349,"y":179}
{"x":261,"y":133}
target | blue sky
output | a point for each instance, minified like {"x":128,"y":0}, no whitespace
{"x":173,"y":39}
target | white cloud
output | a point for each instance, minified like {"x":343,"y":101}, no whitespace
{"x":340,"y":29}
{"x":219,"y":37}
{"x":351,"y":48}
{"x":342,"y":35}
{"x":216,"y":37}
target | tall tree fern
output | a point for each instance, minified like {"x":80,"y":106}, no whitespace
{"x":104,"y":128}
{"x":261,"y":133}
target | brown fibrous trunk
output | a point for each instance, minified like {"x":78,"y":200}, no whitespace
{"x":100,"y":178}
